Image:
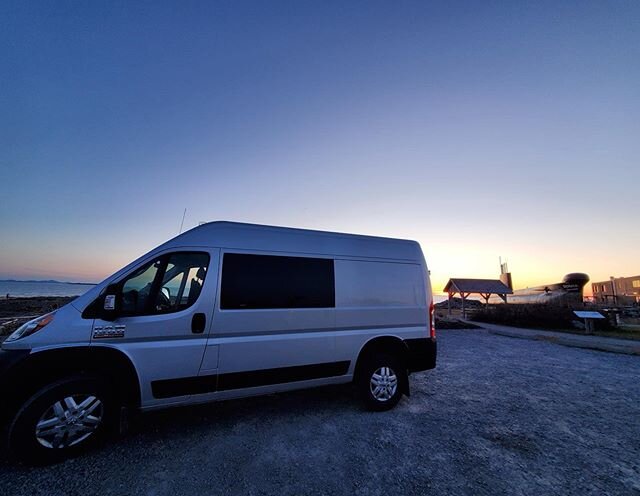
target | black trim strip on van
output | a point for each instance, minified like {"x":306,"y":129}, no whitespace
{"x":184,"y":386}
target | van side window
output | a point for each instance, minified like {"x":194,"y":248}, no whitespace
{"x":267,"y":281}
{"x":168,"y":284}
{"x":379,"y":284}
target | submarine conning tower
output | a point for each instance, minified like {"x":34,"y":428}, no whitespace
{"x":575,"y":280}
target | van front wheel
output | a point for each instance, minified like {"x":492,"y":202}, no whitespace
{"x":380,"y":382}
{"x":61,"y":420}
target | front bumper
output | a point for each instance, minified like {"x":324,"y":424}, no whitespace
{"x":422,"y":354}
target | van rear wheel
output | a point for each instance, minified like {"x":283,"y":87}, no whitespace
{"x":61,"y":420}
{"x":380,"y":382}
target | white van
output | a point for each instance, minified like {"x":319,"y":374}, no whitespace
{"x":225,"y":310}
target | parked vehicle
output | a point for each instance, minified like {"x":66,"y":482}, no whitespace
{"x":225,"y":310}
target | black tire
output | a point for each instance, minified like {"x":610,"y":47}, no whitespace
{"x":374,"y":364}
{"x":65,"y":438}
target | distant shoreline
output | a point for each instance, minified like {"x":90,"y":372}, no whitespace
{"x":14,"y":288}
{"x":37,"y":297}
{"x":48,"y":281}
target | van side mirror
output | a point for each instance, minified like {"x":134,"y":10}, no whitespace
{"x":111,"y":303}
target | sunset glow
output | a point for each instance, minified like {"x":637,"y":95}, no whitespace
{"x":443,"y":131}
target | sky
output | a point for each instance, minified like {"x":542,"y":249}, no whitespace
{"x":479,"y":129}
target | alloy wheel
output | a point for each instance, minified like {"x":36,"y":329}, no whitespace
{"x":69,"y":421}
{"x":383,"y":384}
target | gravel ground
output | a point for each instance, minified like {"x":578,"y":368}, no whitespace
{"x":498,"y":416}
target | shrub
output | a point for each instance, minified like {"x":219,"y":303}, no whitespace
{"x":542,"y":316}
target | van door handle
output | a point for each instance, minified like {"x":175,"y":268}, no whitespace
{"x":198,"y":323}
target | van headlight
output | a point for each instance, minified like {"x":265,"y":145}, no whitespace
{"x":30,"y":327}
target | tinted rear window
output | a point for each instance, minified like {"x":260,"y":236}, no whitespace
{"x":267,"y":281}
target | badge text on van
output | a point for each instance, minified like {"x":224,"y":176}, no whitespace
{"x":101,"y":332}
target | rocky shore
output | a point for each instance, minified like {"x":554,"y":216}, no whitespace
{"x":15,"y":311}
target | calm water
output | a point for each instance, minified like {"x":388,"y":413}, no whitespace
{"x":18,"y":288}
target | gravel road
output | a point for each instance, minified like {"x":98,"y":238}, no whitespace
{"x":498,"y":416}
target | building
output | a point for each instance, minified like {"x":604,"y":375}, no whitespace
{"x":617,"y":291}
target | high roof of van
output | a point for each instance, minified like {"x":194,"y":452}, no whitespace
{"x":243,"y":236}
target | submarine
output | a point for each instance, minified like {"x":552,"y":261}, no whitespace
{"x":569,"y":291}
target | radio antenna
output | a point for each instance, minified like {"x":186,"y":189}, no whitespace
{"x":182,"y":223}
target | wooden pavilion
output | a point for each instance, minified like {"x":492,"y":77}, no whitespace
{"x":483,"y":287}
